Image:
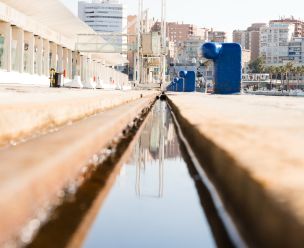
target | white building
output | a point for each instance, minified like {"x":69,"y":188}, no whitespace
{"x":296,"y":51}
{"x":190,"y":50}
{"x":107,"y":17}
{"x":274,"y":42}
{"x":33,"y":40}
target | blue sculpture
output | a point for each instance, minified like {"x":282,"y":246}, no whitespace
{"x":227,"y":58}
{"x":181,"y":85}
{"x":190,"y":79}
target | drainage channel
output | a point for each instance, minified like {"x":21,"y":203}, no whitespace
{"x":152,"y":196}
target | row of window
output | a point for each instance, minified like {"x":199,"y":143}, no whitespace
{"x":102,"y":7}
{"x":107,"y":17}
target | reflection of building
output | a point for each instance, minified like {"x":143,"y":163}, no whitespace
{"x":154,"y":131}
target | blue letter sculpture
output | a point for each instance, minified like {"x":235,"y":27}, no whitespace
{"x":227,"y":58}
{"x":190,"y":78}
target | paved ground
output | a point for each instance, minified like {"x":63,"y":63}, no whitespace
{"x":34,"y":173}
{"x":28,"y":110}
{"x":255,"y":149}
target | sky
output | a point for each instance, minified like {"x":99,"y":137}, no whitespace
{"x":222,"y":15}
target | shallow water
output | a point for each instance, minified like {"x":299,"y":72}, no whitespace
{"x":154,"y":201}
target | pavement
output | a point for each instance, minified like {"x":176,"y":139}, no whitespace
{"x":252,"y":147}
{"x":63,"y":130}
{"x":32,"y":111}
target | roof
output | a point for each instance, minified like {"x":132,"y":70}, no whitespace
{"x":54,"y":15}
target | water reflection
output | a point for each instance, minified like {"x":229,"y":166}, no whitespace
{"x":154,"y":201}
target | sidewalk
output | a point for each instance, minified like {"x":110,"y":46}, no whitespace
{"x":252,"y":146}
{"x":27,"y":111}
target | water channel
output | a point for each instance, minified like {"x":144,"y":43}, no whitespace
{"x":156,"y":198}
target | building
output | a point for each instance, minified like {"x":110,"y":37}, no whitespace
{"x":274,"y":42}
{"x":132,"y":43}
{"x":202,"y":33}
{"x":176,"y":32}
{"x":171,"y":55}
{"x":296,"y":51}
{"x":106,"y":17}
{"x":32,"y":42}
{"x":254,"y":39}
{"x":298,"y":25}
{"x":246,"y":58}
{"x":249,"y":39}
{"x":189,"y":50}
{"x":241,"y":37}
{"x":217,"y":36}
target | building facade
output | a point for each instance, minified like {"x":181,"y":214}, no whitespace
{"x":298,"y":25}
{"x":32,"y":42}
{"x":189,"y":51}
{"x":217,"y":36}
{"x":106,"y":17}
{"x":249,"y":39}
{"x":296,"y":51}
{"x":274,"y":42}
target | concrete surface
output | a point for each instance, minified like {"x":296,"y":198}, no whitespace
{"x":252,"y":146}
{"x":32,"y":174}
{"x":25,"y":110}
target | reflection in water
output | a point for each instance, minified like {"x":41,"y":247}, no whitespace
{"x":164,"y":209}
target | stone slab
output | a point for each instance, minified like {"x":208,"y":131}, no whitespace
{"x":28,"y":110}
{"x":252,"y":146}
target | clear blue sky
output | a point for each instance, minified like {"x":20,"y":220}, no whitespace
{"x":224,"y":15}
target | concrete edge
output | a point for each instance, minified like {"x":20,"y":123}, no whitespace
{"x":38,"y":178}
{"x":263,"y":220}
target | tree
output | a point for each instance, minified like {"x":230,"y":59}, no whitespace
{"x":289,"y":67}
{"x":282,"y":71}
{"x":257,"y":66}
{"x":271,"y":70}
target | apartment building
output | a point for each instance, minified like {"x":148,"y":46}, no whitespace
{"x":296,"y":50}
{"x":298,"y":25}
{"x":249,"y":39}
{"x":274,"y":42}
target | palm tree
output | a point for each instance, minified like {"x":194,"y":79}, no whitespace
{"x":271,"y":70}
{"x":281,"y":70}
{"x":289,"y":68}
{"x":302,"y":72}
{"x":298,"y":71}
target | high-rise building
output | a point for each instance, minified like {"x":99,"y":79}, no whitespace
{"x":298,"y":25}
{"x":241,"y":37}
{"x":106,"y":16}
{"x":249,"y":39}
{"x":274,"y":42}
